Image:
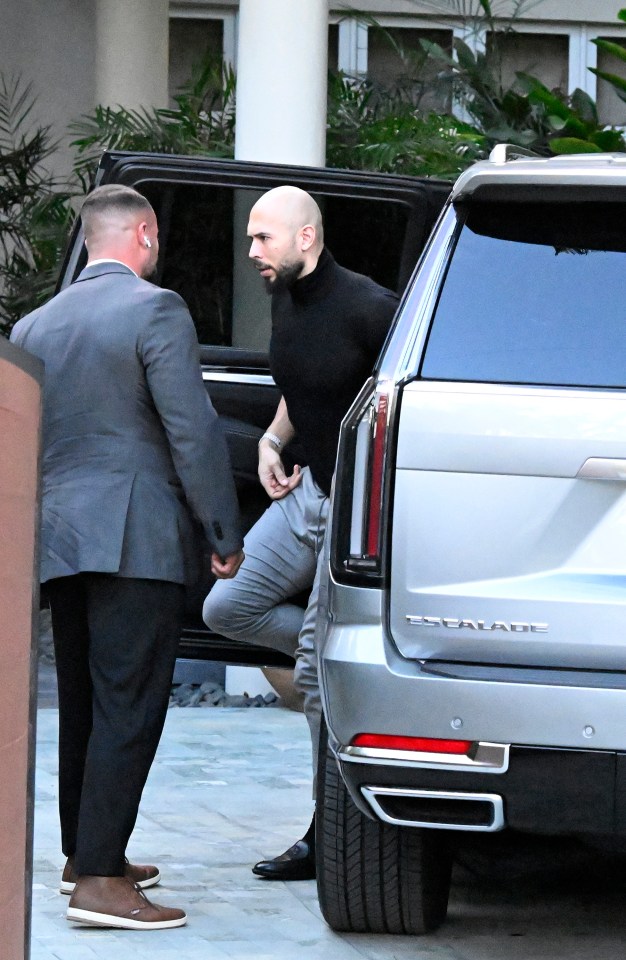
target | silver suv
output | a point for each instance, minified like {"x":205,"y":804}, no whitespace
{"x":474,"y":659}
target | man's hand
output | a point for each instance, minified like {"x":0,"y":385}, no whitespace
{"x":227,"y":568}
{"x":272,"y":474}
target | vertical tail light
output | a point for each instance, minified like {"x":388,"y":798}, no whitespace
{"x":360,"y":507}
{"x":377,"y":464}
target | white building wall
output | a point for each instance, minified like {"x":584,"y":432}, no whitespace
{"x":132,"y":53}
{"x":52,"y":46}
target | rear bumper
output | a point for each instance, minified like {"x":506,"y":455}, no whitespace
{"x":547,"y":791}
{"x":556,"y":738}
{"x":368,"y":688}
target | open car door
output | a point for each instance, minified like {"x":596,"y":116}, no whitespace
{"x":373,"y":223}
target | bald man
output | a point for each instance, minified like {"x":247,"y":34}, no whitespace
{"x":131,"y":449}
{"x":328,"y":326}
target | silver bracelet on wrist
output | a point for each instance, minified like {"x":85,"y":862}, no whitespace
{"x":275,"y":440}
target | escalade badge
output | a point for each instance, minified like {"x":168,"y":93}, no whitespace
{"x":454,"y":623}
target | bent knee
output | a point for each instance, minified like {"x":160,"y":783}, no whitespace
{"x":217,"y":610}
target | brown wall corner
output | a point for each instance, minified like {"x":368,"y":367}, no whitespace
{"x":20,"y":425}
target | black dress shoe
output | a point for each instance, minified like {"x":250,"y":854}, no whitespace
{"x":297,"y":863}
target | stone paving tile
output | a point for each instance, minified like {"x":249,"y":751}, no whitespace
{"x":205,"y":819}
{"x":231,"y":786}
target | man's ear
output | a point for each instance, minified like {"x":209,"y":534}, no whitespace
{"x":140,"y":233}
{"x":307,"y":237}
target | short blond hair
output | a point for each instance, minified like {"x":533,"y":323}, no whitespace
{"x":112,"y":199}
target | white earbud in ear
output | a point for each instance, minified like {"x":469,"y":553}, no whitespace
{"x":147,"y":242}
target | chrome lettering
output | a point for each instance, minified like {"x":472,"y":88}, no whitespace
{"x":454,"y":623}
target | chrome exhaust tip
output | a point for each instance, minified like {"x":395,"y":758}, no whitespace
{"x":436,"y":809}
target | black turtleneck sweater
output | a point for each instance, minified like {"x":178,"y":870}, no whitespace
{"x":327,"y":330}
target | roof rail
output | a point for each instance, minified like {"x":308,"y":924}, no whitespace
{"x":503,"y":152}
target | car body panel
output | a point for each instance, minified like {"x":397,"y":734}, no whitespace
{"x":501,"y":552}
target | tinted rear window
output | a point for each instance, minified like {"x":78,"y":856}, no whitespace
{"x":534,"y":293}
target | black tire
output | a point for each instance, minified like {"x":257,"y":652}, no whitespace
{"x":373,"y":877}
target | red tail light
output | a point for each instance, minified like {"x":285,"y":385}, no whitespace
{"x":384,"y":741}
{"x":376,"y":478}
{"x":361,"y":502}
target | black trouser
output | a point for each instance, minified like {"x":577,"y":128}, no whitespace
{"x":115,"y":642}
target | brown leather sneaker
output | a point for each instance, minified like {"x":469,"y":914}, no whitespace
{"x":143,"y":875}
{"x":118,"y":902}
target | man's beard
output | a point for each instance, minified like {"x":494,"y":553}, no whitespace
{"x":284,"y":277}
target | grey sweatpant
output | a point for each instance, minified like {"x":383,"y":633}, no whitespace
{"x":283,"y":557}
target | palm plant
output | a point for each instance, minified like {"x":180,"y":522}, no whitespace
{"x":389,"y":129}
{"x":524,"y":112}
{"x":375,"y":129}
{"x":614,"y":50}
{"x":572,"y":122}
{"x":203,"y":121}
{"x":35,"y":210}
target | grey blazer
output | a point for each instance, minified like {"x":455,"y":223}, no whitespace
{"x":132,"y":447}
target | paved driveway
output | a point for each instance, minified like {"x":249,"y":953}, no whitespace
{"x":230,"y":786}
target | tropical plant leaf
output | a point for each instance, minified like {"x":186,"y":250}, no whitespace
{"x":562,"y":145}
{"x":16,"y":105}
{"x":609,"y":46}
{"x":584,"y":106}
{"x":610,"y":140}
{"x":465,"y":55}
{"x":538,"y":93}
{"x":437,"y":52}
{"x":618,"y":83}
{"x":35,"y":208}
{"x":556,"y":123}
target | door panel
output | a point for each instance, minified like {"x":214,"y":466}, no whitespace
{"x":502,"y":552}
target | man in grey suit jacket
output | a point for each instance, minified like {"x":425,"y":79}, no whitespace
{"x":133,"y":458}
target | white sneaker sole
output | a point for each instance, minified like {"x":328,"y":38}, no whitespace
{"x":68,"y":888}
{"x":91,"y":919}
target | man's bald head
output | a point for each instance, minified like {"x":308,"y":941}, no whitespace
{"x":287,"y":236}
{"x":293,"y":207}
{"x":120,"y":224}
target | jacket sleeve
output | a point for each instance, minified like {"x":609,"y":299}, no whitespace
{"x":169,"y":351}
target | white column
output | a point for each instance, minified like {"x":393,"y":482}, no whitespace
{"x":281,"y":81}
{"x":132,"y":38}
{"x":282,"y":62}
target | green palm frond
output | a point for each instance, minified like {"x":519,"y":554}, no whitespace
{"x":35,"y":210}
{"x":201,"y":122}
